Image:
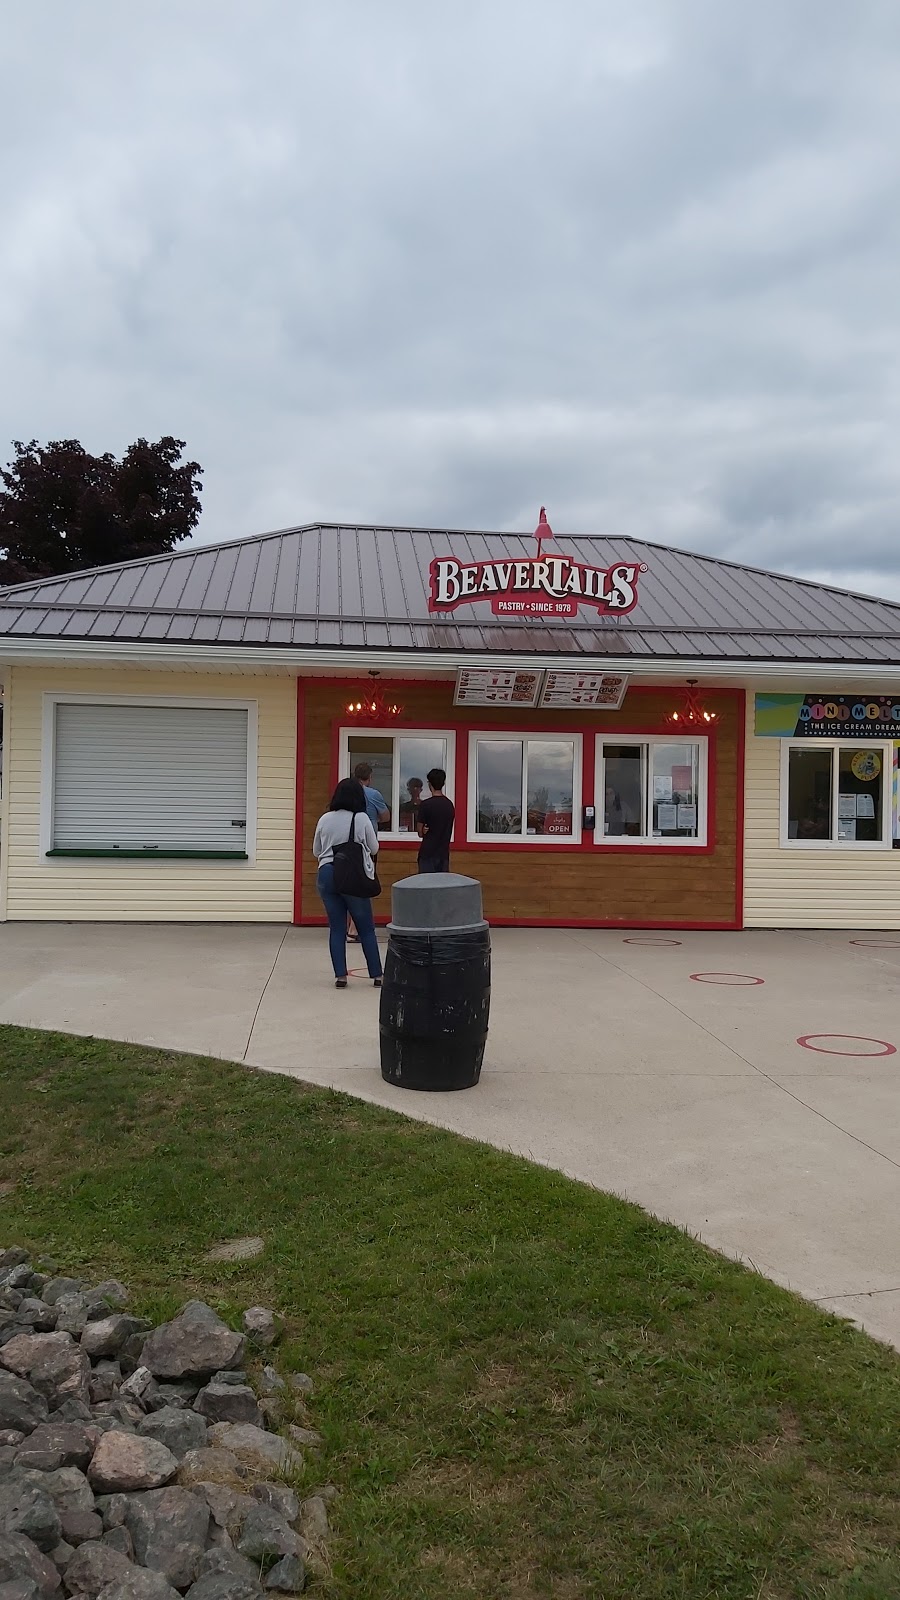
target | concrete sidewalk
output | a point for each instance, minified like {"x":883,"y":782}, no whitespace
{"x":608,"y":1058}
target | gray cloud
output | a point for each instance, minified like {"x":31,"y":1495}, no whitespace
{"x":639,"y":263}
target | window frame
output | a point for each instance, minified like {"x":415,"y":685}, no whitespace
{"x":51,"y":699}
{"x":395,"y":835}
{"x":653,"y":841}
{"x":530,"y":841}
{"x":885,"y":748}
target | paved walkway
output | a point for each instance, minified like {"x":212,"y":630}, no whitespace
{"x":606,"y":1059}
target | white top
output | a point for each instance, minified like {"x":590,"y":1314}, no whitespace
{"x":333,"y":827}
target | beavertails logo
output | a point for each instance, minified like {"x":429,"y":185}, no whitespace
{"x":541,"y":586}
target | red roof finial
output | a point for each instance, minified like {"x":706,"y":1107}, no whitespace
{"x":543,"y":530}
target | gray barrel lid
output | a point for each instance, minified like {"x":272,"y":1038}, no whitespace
{"x":431,"y":902}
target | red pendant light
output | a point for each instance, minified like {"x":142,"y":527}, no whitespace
{"x":370,"y":703}
{"x":692,"y":713}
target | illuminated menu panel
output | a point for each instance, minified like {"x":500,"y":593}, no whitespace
{"x":601,"y":690}
{"x":497,"y":686}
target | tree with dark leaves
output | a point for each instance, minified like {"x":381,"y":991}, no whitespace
{"x":62,"y":509}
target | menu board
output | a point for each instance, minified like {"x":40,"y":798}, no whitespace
{"x":604,"y":690}
{"x":497,"y":686}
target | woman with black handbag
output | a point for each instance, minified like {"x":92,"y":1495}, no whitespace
{"x":345,"y":845}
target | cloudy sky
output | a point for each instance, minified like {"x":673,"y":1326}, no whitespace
{"x":436,"y":265}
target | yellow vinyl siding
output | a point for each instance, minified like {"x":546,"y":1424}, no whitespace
{"x":98,"y":890}
{"x":786,"y":888}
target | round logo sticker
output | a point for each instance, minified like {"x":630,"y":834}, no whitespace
{"x":865,"y":765}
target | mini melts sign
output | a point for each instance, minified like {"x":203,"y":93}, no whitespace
{"x":819,"y":716}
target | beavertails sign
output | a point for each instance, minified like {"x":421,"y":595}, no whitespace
{"x":541,"y":586}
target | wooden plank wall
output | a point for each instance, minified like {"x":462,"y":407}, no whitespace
{"x":550,"y":884}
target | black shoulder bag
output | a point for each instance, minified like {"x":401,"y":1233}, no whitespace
{"x":349,"y":861}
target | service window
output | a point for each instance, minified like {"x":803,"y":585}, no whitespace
{"x":149,"y":780}
{"x":652,"y":791}
{"x":525,"y":788}
{"x":836,"y":795}
{"x":400,"y":763}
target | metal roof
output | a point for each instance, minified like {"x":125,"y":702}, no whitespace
{"x":337,"y":586}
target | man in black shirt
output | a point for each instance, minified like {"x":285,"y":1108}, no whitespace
{"x":435,"y":825}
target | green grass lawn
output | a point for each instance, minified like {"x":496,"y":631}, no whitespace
{"x":526,"y":1388}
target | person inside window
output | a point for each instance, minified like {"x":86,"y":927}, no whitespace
{"x":409,"y":809}
{"x":614,"y":815}
{"x":377,"y":809}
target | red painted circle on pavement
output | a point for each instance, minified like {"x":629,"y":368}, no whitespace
{"x":806,"y":1040}
{"x":732,"y":980}
{"x":878,"y":944}
{"x":651,"y":941}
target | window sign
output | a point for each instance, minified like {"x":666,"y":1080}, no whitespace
{"x":651,"y":791}
{"x":837,"y":794}
{"x":816,"y":716}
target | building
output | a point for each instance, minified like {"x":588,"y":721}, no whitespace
{"x":173,"y":727}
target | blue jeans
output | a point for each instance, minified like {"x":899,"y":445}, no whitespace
{"x":337,"y":906}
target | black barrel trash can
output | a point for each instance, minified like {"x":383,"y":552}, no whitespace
{"x":436,"y":994}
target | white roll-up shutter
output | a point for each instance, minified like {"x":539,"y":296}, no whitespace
{"x":133,"y":777}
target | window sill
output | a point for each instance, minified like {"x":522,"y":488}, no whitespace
{"x":158,"y":855}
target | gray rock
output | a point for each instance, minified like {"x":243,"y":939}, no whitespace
{"x":256,"y":1449}
{"x":301,"y":1382}
{"x":125,"y":1461}
{"x":228,"y":1402}
{"x":279,"y":1498}
{"x":27,"y":1509}
{"x":61,"y":1555}
{"x":35,"y":1314}
{"x":21,"y":1405}
{"x":18,"y":1277}
{"x":112,"y":1508}
{"x":169,"y":1529}
{"x":56,"y":1444}
{"x":227,"y":1506}
{"x":271,"y":1382}
{"x":106,"y":1376}
{"x":72,"y":1410}
{"x":131,"y":1353}
{"x":80,"y":1526}
{"x":266,"y":1537}
{"x":225,"y":1586}
{"x":288,"y":1575}
{"x":11,"y":1438}
{"x":228,"y":1561}
{"x":60,"y":1288}
{"x":272,"y":1413}
{"x":119,"y":1539}
{"x":139,"y":1584}
{"x":313,"y":1520}
{"x":260,"y":1325}
{"x":179,"y":1430}
{"x":195,"y":1343}
{"x":19,"y":1589}
{"x":93,"y":1566}
{"x":178,"y":1394}
{"x":52,"y":1362}
{"x":21,"y":1558}
{"x":134,"y":1388}
{"x":72,"y":1313}
{"x":68,"y":1488}
{"x":210,"y":1466}
{"x":112,"y":1293}
{"x":305,"y":1436}
{"x":106,"y":1337}
{"x":7,"y":1456}
{"x":14,"y":1256}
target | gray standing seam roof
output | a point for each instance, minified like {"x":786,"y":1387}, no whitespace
{"x":328,"y":585}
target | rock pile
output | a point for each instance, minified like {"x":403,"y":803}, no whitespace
{"x":139,"y":1463}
